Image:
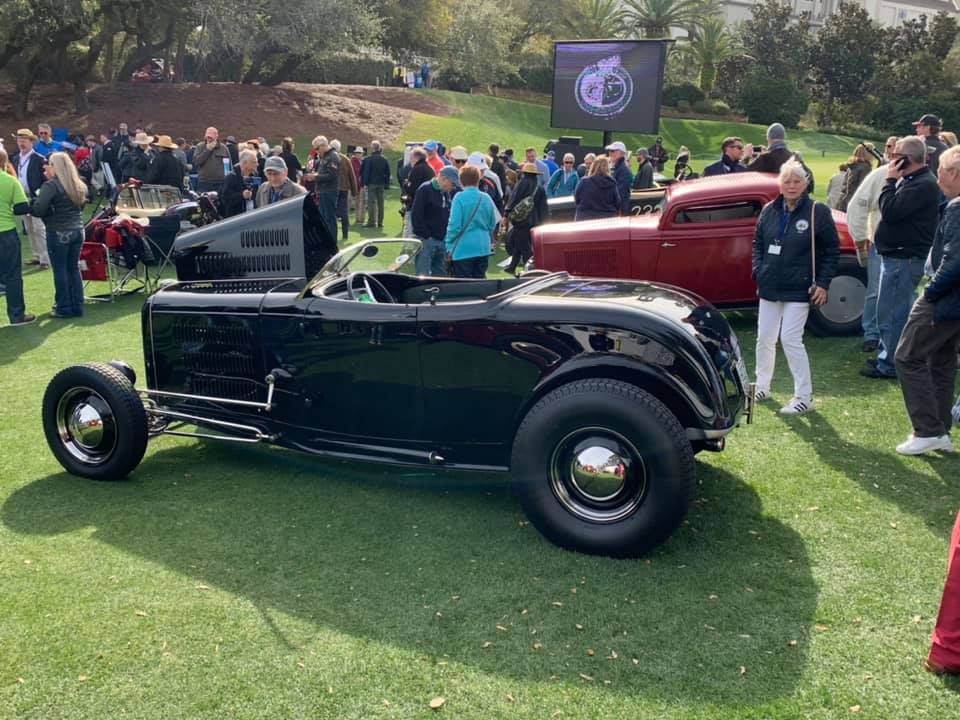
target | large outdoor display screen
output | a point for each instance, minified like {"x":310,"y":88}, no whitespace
{"x":608,"y":85}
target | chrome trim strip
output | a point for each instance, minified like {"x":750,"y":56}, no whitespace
{"x":259,"y":435}
{"x":268,"y":405}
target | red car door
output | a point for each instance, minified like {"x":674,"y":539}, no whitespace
{"x":708,"y":248}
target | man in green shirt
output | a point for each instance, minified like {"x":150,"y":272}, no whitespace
{"x":13,"y":201}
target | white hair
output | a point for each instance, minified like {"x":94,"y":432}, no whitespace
{"x":950,"y":160}
{"x":320,"y":140}
{"x":793,"y":168}
{"x":248,"y":155}
{"x":335,"y":144}
{"x":375,"y":146}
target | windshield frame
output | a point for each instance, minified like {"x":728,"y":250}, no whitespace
{"x":339,"y":264}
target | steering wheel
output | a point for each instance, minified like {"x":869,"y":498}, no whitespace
{"x":370,"y":284}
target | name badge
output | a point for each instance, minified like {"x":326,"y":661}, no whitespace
{"x":773,"y":249}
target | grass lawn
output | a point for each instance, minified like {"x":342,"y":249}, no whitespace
{"x":243,"y":582}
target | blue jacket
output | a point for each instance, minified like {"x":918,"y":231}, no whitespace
{"x":786,"y":274}
{"x":944,"y":289}
{"x":474,"y":240}
{"x":558,"y":187}
{"x":431,"y":211}
{"x":621,"y":173}
{"x":552,"y":166}
{"x":597,"y":196}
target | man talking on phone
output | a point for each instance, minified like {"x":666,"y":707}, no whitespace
{"x":909,"y":214}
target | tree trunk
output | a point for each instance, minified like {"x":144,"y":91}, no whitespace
{"x":108,"y":62}
{"x":81,"y":103}
{"x":256,"y":65}
{"x":181,"y":60}
{"x":25,"y":81}
{"x":708,"y":75}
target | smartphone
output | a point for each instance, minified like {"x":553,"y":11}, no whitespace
{"x":902,"y":163}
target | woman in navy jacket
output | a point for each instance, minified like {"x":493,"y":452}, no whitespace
{"x":597,"y":195}
{"x":789,"y":277}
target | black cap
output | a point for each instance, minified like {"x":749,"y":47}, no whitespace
{"x":929,"y":120}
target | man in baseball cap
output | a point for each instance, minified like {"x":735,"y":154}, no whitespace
{"x":928,"y":128}
{"x":278,"y":186}
{"x":620,"y":169}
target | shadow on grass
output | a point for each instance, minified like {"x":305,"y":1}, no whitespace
{"x":884,"y":473}
{"x":16,"y":341}
{"x":440,"y":564}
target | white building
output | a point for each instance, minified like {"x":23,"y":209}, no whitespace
{"x":886,"y":12}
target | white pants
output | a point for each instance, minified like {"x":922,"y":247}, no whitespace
{"x":37,"y":233}
{"x":785,"y":319}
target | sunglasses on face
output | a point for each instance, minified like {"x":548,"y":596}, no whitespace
{"x":737,"y":147}
{"x":459,"y":162}
{"x":43,"y":132}
{"x":568,"y":162}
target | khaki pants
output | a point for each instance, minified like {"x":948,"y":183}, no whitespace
{"x":38,"y":238}
{"x":360,"y":199}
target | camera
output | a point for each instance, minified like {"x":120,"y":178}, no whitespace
{"x":251,"y":182}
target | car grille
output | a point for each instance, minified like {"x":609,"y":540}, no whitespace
{"x":591,"y":262}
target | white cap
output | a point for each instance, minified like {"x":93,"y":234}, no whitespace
{"x":477,"y":159}
{"x":616,"y":146}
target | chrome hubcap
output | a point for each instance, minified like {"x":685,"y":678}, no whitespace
{"x":598,"y":475}
{"x":86,"y":425}
{"x":844,"y":300}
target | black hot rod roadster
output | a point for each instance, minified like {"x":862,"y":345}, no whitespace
{"x":593,"y":394}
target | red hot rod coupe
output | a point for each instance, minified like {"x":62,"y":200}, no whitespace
{"x":699,"y":238}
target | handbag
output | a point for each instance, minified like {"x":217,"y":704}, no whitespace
{"x":463,"y":231}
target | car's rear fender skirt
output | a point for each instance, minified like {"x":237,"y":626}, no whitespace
{"x":682,"y":400}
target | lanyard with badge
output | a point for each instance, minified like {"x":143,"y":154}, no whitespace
{"x":775,"y":247}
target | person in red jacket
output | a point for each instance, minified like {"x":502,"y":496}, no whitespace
{"x":361,"y":202}
{"x":944,"y":656}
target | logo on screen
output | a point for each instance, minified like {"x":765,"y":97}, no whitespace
{"x":604,"y":88}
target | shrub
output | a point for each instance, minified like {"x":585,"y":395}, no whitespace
{"x":766,"y":99}
{"x":683,"y":105}
{"x":704,"y":107}
{"x":895,"y":114}
{"x":345,"y":69}
{"x":673,"y":94}
{"x":720,"y":107}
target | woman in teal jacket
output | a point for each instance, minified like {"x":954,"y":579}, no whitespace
{"x":565,"y":180}
{"x":473,"y":218}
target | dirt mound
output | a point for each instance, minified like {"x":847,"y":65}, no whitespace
{"x":352,"y":113}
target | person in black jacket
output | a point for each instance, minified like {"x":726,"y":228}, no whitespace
{"x":795,"y":254}
{"x":166,"y":168}
{"x":926,"y":357}
{"x":729,"y":162}
{"x":136,"y":162}
{"x":420,"y":172}
{"x":597,"y":195}
{"x":909,"y":214}
{"x":620,"y":169}
{"x":430,"y":216}
{"x":323,"y":171}
{"x":239,"y":191}
{"x":375,"y":177}
{"x":519,"y":242}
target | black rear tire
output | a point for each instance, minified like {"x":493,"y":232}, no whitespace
{"x":843,"y":313}
{"x":94,"y":421}
{"x":603,"y":467}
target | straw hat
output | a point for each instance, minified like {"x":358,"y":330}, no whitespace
{"x":164,"y":141}
{"x":25,"y":133}
{"x":529,"y":169}
{"x":143,"y":139}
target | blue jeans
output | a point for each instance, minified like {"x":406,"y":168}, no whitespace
{"x":899,"y":278}
{"x":64,"y":251}
{"x":10,"y":274}
{"x":432,"y":259}
{"x":871,"y":329}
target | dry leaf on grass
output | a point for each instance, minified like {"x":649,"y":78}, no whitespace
{"x":578,"y":626}
{"x":140,"y":613}
{"x":792,"y":643}
{"x":300,"y":665}
{"x":201,"y":587}
{"x":386,"y":703}
{"x":20,"y":681}
{"x":743,"y":670}
{"x":613,"y":655}
{"x":537,"y":646}
{"x":557,"y":603}
{"x":855,"y":708}
{"x":585,"y":677}
{"x":821,"y":628}
{"x":501,"y":628}
{"x":487,"y":644}
{"x":437,"y":703}
{"x":591,"y":652}
{"x":511,"y":698}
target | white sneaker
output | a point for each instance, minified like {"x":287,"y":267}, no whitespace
{"x":797,"y":406}
{"x":761,"y":395}
{"x":919,"y":445}
{"x":956,"y":411}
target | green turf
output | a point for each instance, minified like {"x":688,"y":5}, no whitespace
{"x":244,"y":582}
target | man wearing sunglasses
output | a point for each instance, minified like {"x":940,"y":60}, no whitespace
{"x":45,"y":143}
{"x":729,"y":161}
